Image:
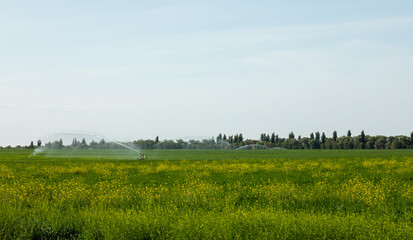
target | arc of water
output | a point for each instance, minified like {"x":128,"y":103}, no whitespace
{"x":126,"y":146}
{"x":252,"y":145}
{"x":159,"y":143}
{"x":100,"y":137}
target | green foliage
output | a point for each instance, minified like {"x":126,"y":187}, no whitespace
{"x":272,"y":138}
{"x":207,"y":194}
{"x":316,"y":141}
{"x":411,"y":140}
{"x":362,"y":140}
{"x":323,"y":138}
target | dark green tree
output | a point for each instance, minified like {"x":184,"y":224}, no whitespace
{"x":362,"y":140}
{"x":75,"y":143}
{"x":265,"y":137}
{"x":157,"y":139}
{"x":236,"y":138}
{"x":306,"y":143}
{"x":389,"y":142}
{"x":411,"y":140}
{"x":273,"y":138}
{"x":93,"y":145}
{"x":335,"y":136}
{"x":83,"y":144}
{"x":348,"y":133}
{"x":317,"y":140}
{"x":102,"y":144}
{"x":370,"y":140}
{"x":380,"y":142}
{"x":323,"y":138}
{"x":240,"y":138}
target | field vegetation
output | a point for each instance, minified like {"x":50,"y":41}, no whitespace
{"x":207,"y":194}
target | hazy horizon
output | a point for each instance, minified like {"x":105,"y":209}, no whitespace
{"x":136,"y":70}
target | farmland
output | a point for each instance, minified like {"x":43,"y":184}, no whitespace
{"x":207,"y":194}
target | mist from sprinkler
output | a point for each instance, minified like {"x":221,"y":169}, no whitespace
{"x":83,"y":134}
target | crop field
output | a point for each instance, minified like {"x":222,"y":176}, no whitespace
{"x":207,"y":194}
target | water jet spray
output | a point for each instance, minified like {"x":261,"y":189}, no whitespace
{"x":76,"y":134}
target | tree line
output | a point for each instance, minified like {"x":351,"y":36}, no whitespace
{"x":316,"y":140}
{"x":320,"y":141}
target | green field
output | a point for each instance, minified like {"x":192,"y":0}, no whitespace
{"x":207,"y":194}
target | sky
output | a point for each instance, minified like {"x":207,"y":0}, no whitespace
{"x":132,"y":70}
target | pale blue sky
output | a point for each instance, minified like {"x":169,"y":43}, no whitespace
{"x":138,"y":69}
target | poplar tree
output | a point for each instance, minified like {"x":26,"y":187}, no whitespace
{"x":83,"y":144}
{"x":74,"y":143}
{"x":362,"y":139}
{"x":273,"y":138}
{"x":317,"y":140}
{"x":335,"y":136}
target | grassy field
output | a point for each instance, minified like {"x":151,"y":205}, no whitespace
{"x":211,"y":194}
